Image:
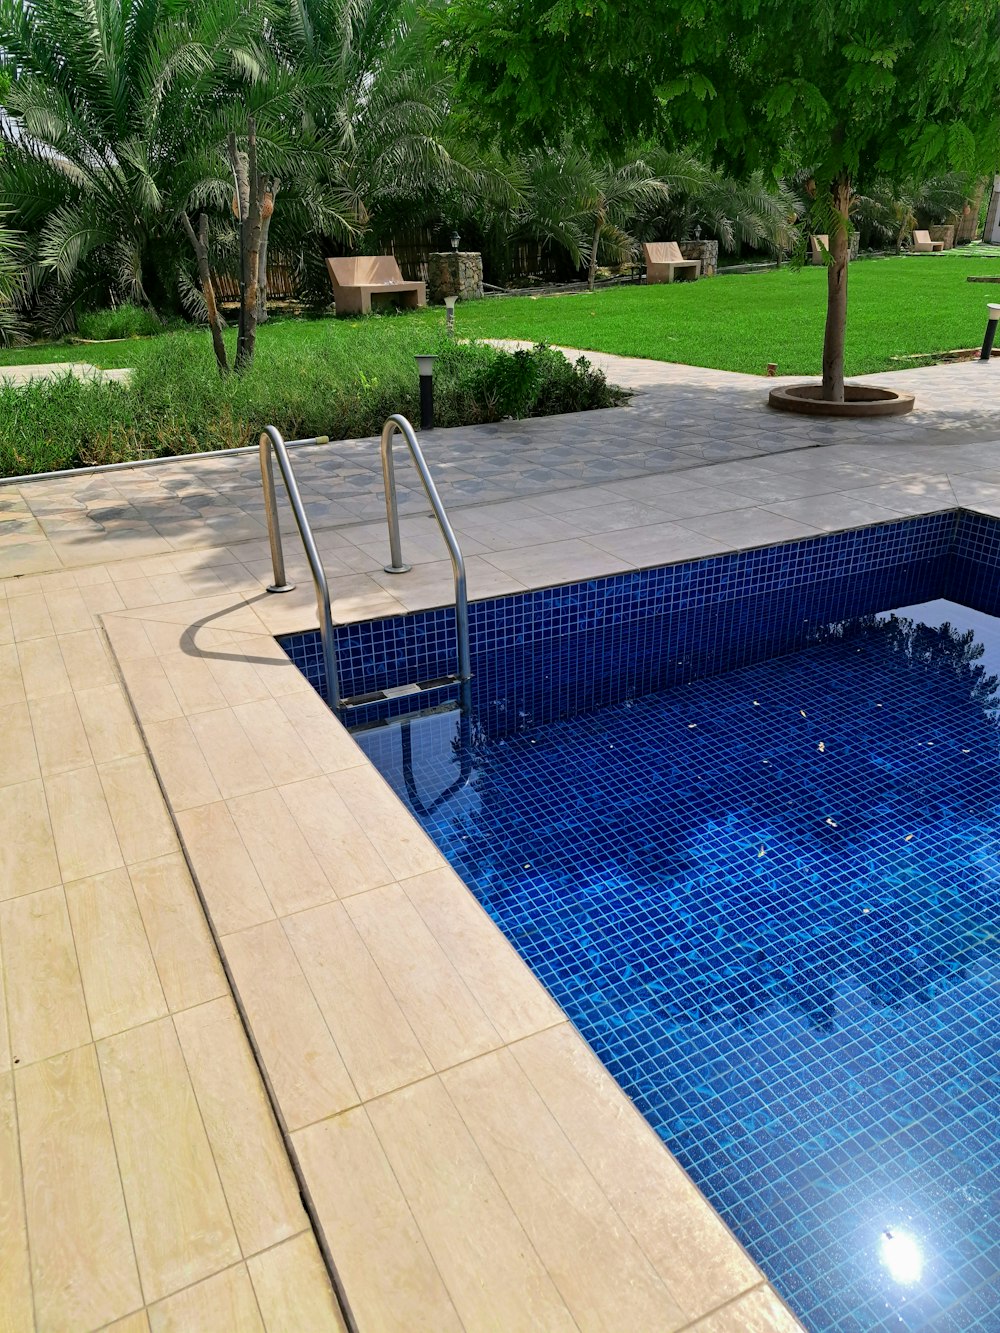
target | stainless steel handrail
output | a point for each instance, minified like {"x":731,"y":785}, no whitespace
{"x":271,"y":441}
{"x":397,"y":424}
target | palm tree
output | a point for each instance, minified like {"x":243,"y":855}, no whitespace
{"x":618,"y":194}
{"x":109,"y":105}
{"x":888,"y":212}
{"x":740,"y":215}
{"x":382,"y":105}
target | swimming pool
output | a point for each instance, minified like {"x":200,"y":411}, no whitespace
{"x":768,"y":894}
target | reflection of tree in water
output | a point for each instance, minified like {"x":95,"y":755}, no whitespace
{"x":948,"y":655}
{"x":870,"y":855}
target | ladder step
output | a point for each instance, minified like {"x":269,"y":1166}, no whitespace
{"x":417,"y":715}
{"x":399,"y":691}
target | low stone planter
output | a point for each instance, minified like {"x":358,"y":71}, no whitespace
{"x":860,"y":400}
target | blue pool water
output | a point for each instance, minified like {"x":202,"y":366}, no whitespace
{"x":770,"y":900}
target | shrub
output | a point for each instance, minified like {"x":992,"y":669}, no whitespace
{"x":124,"y":321}
{"x":309,"y":378}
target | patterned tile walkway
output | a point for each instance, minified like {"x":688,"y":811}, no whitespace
{"x":681,"y":417}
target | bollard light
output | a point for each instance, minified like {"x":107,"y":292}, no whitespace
{"x":993,"y":314}
{"x":425,"y":365}
{"x":449,"y":302}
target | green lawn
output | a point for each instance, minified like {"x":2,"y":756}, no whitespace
{"x":896,"y":307}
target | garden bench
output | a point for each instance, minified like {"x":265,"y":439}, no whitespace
{"x":818,"y":247}
{"x":355,"y":281}
{"x":664,"y":259}
{"x":923,"y":245}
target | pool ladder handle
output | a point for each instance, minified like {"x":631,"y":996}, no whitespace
{"x":272,"y":444}
{"x":398,"y":425}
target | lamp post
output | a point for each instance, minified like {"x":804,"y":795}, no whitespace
{"x":455,"y":238}
{"x":993,"y":315}
{"x":449,"y":305}
{"x":425,"y":365}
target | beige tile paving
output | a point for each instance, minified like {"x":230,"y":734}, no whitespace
{"x":136,"y":1157}
{"x":120,"y":981}
{"x":293,"y":1289}
{"x":304,"y":1065}
{"x":73,"y":1190}
{"x":359,"y":1198}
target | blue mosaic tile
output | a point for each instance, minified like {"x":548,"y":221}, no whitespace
{"x":770,"y":901}
{"x":746,"y":830}
{"x":550,"y":653}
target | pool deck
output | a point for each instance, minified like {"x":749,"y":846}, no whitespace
{"x":252,"y":1027}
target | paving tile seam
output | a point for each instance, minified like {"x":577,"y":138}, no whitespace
{"x":238,"y":1265}
{"x":731,"y":1304}
{"x":298,"y":1172}
{"x":582,"y":1165}
{"x":435,"y":1073}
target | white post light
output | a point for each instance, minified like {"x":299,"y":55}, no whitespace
{"x":449,"y":302}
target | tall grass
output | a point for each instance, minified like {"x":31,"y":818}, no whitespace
{"x":309,"y":378}
{"x":124,"y":321}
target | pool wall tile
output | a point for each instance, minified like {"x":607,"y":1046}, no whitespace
{"x":542,"y":655}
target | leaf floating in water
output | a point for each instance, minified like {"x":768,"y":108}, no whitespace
{"x":821,"y":747}
{"x":832,"y":822}
{"x":908,"y":838}
{"x":692,"y":725}
{"x":802,"y":712}
{"x":761,"y":853}
{"x":527,"y":865}
{"x":966,"y":751}
{"x":878,"y":705}
{"x":756,"y":704}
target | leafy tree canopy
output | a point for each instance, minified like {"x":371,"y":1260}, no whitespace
{"x":854,"y":87}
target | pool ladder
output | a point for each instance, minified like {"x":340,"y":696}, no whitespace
{"x":273,"y":445}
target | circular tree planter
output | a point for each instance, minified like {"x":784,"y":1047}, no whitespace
{"x":860,"y":400}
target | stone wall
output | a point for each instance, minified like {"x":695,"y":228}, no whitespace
{"x":706,"y":251}
{"x":454,"y":273}
{"x":943,"y":232}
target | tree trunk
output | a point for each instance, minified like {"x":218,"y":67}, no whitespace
{"x":267,"y":213}
{"x":836,"y":293}
{"x":249,"y":199}
{"x":592,"y":270}
{"x":199,"y":243}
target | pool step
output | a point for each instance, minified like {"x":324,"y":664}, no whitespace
{"x":398,"y":692}
{"x":399,"y":704}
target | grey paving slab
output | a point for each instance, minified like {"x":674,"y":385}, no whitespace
{"x":710,"y":429}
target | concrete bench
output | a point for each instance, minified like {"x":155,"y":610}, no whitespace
{"x":355,"y":281}
{"x":923,"y":245}
{"x":664,"y":260}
